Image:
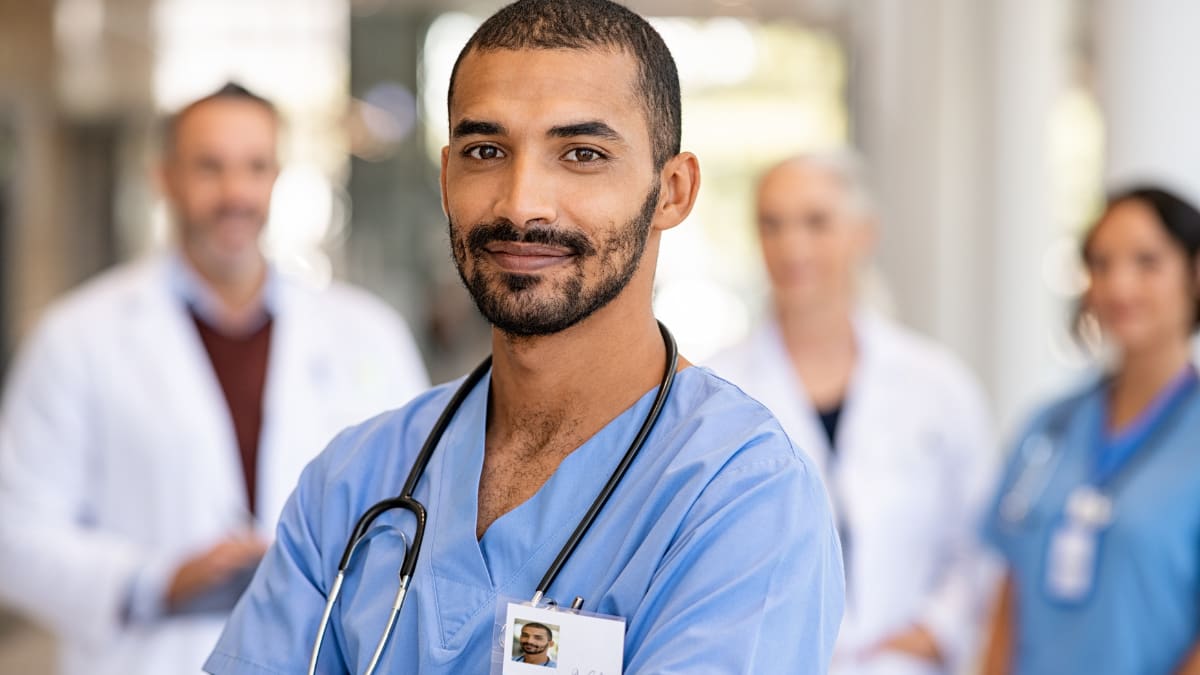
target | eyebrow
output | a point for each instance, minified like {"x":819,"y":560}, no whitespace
{"x":477,"y":128}
{"x":594,"y":128}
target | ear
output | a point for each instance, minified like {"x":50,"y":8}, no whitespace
{"x":679,"y":182}
{"x":442,"y":179}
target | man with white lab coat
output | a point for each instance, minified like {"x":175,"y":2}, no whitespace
{"x":899,"y":428}
{"x":157,"y":419}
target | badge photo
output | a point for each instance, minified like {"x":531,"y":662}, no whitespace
{"x":532,"y":640}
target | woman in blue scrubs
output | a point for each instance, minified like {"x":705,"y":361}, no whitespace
{"x":1098,"y":514}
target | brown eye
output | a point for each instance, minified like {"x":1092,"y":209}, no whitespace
{"x":584,"y":155}
{"x":484,"y":152}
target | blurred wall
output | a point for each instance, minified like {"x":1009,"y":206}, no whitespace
{"x":399,"y":244}
{"x":74,"y":96}
{"x":952,"y":105}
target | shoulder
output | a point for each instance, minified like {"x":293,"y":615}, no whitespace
{"x":919,"y":365}
{"x":1055,"y":413}
{"x":362,"y":461}
{"x":351,"y":322}
{"x":101,"y":300}
{"x":718,"y":425}
{"x":340,"y":299}
{"x":740,"y":357}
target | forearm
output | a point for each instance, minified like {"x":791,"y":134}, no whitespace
{"x":998,"y":655}
{"x":1191,"y":665}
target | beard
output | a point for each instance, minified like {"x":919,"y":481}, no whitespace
{"x":225,"y":250}
{"x":511,"y":302}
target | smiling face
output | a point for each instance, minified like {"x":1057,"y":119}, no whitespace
{"x":548,"y":184}
{"x":218,"y":178}
{"x":1142,"y":286}
{"x":535,"y":640}
{"x":814,"y":240}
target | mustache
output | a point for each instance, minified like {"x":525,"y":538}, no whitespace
{"x":235,"y":211}
{"x":504,"y":230}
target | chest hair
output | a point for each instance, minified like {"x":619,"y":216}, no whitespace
{"x":514,"y":469}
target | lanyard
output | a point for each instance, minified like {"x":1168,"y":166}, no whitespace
{"x":1114,"y":453}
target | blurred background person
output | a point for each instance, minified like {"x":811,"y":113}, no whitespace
{"x":1098,"y":512}
{"x":159,"y":416}
{"x":988,"y":129}
{"x":898,"y":425}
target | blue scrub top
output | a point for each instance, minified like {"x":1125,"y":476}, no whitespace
{"x":1142,"y":614}
{"x":718,"y":547}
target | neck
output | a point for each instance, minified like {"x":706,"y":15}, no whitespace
{"x":239,"y":290}
{"x":1144,"y":373}
{"x":575,"y":381}
{"x":815,"y":330}
{"x":1152,"y":368}
{"x":536,"y":659}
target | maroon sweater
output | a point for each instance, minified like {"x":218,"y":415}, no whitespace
{"x":240,"y":363}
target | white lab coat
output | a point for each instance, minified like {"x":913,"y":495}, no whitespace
{"x":118,"y":457}
{"x":913,"y":470}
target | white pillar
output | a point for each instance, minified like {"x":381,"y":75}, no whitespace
{"x":1031,"y":51}
{"x":951,"y":103}
{"x":1146,"y":57}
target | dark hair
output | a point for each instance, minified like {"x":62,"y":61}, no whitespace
{"x":592,"y":24}
{"x":230,"y":91}
{"x":531,"y":624}
{"x":1179,"y":219}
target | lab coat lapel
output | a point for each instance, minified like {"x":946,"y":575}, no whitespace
{"x":871,"y":395}
{"x":296,"y":409}
{"x":780,"y":383}
{"x":177,"y":375}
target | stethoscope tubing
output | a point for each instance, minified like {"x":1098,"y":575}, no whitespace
{"x":407,"y":502}
{"x":660,"y":399}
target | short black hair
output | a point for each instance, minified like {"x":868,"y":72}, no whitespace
{"x":230,"y":91}
{"x":592,"y":24}
{"x":532,"y":624}
{"x":1178,"y":218}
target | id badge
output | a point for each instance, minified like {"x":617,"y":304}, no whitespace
{"x":1071,"y":563}
{"x":545,"y":639}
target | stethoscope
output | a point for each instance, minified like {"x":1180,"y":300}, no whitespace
{"x":1039,"y":456}
{"x":407,"y":502}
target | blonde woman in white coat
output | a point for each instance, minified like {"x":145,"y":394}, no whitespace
{"x":130,"y":516}
{"x":898,"y":426}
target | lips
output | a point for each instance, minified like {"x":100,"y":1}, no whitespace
{"x":522,"y":257}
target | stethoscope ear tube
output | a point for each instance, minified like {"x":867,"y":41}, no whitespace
{"x":581,"y":529}
{"x":405,"y":499}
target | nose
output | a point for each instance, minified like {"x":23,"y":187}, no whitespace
{"x":794,"y":242}
{"x":233,"y":187}
{"x":526,"y":194}
{"x":242,"y":187}
{"x":1118,"y":281}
